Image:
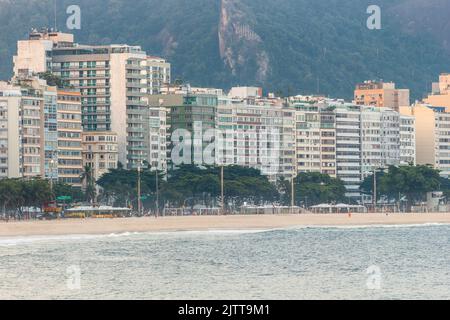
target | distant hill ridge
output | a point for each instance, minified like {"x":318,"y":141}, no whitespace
{"x":286,"y":46}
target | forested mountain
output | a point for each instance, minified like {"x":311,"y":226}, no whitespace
{"x":293,"y":46}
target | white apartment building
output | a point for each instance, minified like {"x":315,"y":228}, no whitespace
{"x":315,"y":138}
{"x":348,"y":147}
{"x":113,"y":85}
{"x":10,"y":131}
{"x":70,"y":149}
{"x":407,"y":140}
{"x":308,"y":147}
{"x":22,"y":141}
{"x":288,"y":165}
{"x":328,"y":142}
{"x":380,"y":137}
{"x":113,"y":81}
{"x":157,"y":157}
{"x":390,"y":137}
{"x":259,"y":135}
{"x":158,"y":74}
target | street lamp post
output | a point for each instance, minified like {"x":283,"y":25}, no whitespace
{"x":157,"y":192}
{"x":222,"y":197}
{"x":51,"y":166}
{"x":292,"y":193}
{"x":375,"y":190}
{"x":139,"y":188}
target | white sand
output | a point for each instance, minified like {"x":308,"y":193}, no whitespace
{"x":108,"y":226}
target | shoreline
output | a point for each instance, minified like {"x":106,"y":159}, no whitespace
{"x":208,"y":223}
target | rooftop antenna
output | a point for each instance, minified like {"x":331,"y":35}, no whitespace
{"x":55,"y":16}
{"x":318,"y":85}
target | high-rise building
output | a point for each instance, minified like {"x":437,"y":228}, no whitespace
{"x":380,"y":140}
{"x":70,"y":158}
{"x":315,"y":137}
{"x":157,"y":156}
{"x":348,"y":147}
{"x":113,"y":81}
{"x":35,"y":159}
{"x":100,"y":152}
{"x":51,"y":133}
{"x":35,"y":54}
{"x":348,"y":141}
{"x":11,"y":151}
{"x":158,"y":74}
{"x":48,"y":135}
{"x":432,"y":136}
{"x":23,"y":136}
{"x":381,"y":94}
{"x":257,"y":133}
{"x":288,"y":164}
{"x":440,"y":96}
{"x":407,"y":140}
{"x":189,"y":113}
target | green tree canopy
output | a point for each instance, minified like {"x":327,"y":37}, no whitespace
{"x":413,"y":182}
{"x":18,"y":193}
{"x":313,"y":189}
{"x":189,"y":185}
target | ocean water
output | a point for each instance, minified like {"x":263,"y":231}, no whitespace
{"x":408,"y":262}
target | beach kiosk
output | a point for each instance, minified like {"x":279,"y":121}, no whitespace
{"x":101,"y":212}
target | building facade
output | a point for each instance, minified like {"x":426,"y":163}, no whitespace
{"x":432,"y":136}
{"x":188,"y":118}
{"x":11,"y":151}
{"x":257,"y":133}
{"x":100,"y":152}
{"x":70,"y":158}
{"x":315,"y":137}
{"x":23,"y":123}
{"x":113,"y":80}
{"x":33,"y":136}
{"x":157,"y":157}
{"x":349,"y":147}
{"x":381,"y":95}
{"x":158,"y":74}
{"x":440,"y":96}
{"x":407,"y":140}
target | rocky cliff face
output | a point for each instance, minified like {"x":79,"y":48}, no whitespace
{"x":241,"y":48}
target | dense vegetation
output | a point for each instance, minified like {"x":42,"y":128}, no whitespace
{"x":187,"y":186}
{"x":310,"y":46}
{"x":412,"y":182}
{"x":17,"y":195}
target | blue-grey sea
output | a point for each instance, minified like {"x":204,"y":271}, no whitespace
{"x":402,"y":262}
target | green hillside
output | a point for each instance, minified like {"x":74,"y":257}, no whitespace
{"x":293,"y":46}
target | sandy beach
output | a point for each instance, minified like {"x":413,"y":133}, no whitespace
{"x":204,"y":223}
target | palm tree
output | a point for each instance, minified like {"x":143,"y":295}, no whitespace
{"x":89,"y":183}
